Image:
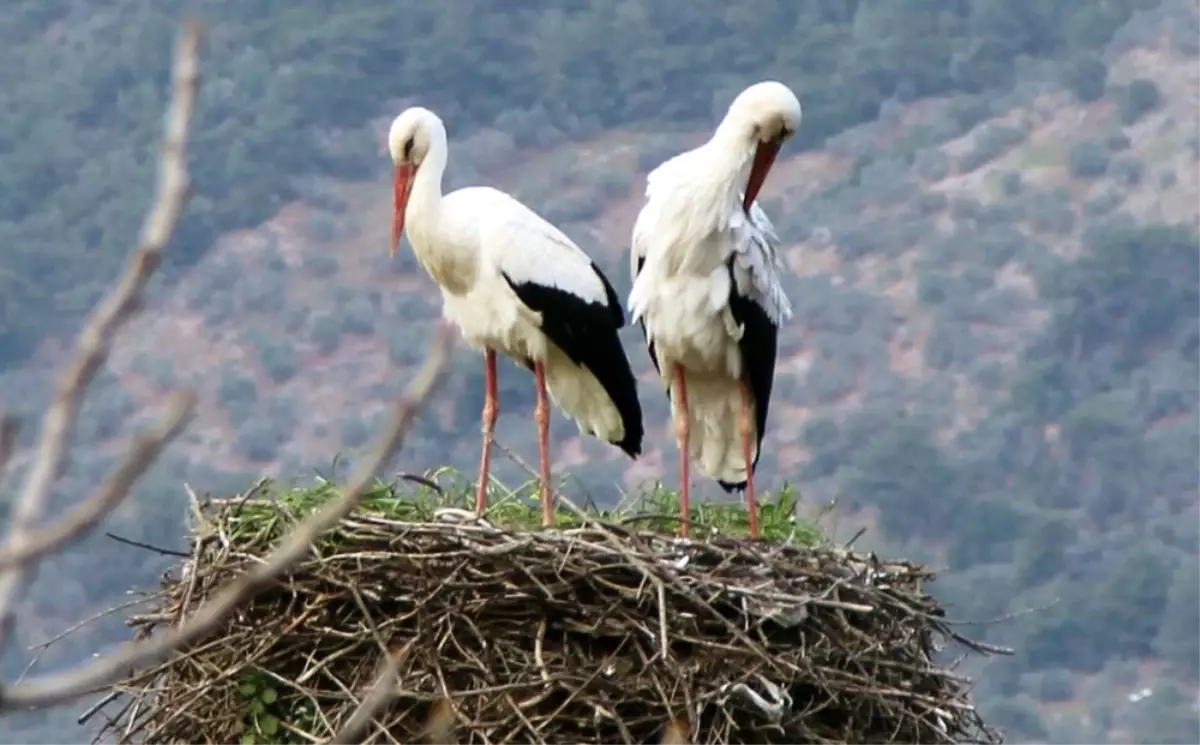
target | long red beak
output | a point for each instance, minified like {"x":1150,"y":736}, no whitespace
{"x":764,"y":158}
{"x":401,"y":189}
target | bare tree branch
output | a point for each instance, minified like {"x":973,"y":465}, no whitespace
{"x":91,"y":346}
{"x":94,"y":675}
{"x":87,"y":514}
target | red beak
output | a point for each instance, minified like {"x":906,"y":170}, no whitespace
{"x":764,"y":158}
{"x":401,"y":189}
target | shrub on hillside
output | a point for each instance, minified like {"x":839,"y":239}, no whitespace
{"x":320,"y":264}
{"x":931,"y":202}
{"x":1178,"y":638}
{"x":1011,"y":183}
{"x":486,"y":149}
{"x":295,"y":318}
{"x":257,"y":441}
{"x":1140,"y":98}
{"x":1050,"y":211}
{"x":1000,"y":245}
{"x":1086,"y":77}
{"x":1117,"y":142}
{"x":103,"y":414}
{"x":570,"y":207}
{"x":1087,"y":160}
{"x":831,"y":376}
{"x":357,"y":316}
{"x":321,"y":228}
{"x":932,"y":165}
{"x":885,"y":180}
{"x":1019,"y":718}
{"x":281,"y":413}
{"x":609,"y":182}
{"x":1127,"y":170}
{"x":236,"y":390}
{"x":278,"y":358}
{"x":949,"y":342}
{"x":1053,"y":686}
{"x":272,"y":259}
{"x":965,"y":209}
{"x":326,"y":334}
{"x":1103,"y":203}
{"x":159,"y":369}
{"x":353,"y":431}
{"x":266,"y":294}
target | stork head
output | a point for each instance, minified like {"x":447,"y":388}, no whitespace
{"x":765,"y":115}
{"x":410,"y":139}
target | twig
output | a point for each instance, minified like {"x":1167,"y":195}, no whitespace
{"x":59,"y":687}
{"x":148,"y":547}
{"x":91,"y":346}
{"x":87,"y":514}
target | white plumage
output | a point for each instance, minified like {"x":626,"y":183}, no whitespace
{"x":707,"y":288}
{"x":514,"y":283}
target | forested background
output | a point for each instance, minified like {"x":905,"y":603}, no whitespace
{"x":993,"y":364}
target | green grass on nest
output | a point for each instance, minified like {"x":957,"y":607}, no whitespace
{"x":271,"y":507}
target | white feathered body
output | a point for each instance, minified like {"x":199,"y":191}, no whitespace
{"x":481,"y":233}
{"x":691,"y":225}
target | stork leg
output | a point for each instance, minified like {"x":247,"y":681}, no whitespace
{"x":542,"y":415}
{"x":490,"y":410}
{"x":683,"y":434}
{"x":744,"y":428}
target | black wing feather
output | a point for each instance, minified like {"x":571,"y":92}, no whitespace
{"x":587,"y":334}
{"x":759,"y":346}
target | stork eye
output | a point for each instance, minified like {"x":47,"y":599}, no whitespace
{"x":408,"y":146}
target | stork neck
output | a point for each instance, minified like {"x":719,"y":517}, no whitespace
{"x":731,"y":149}
{"x":425,"y":199}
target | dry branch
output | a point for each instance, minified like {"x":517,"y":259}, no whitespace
{"x":27,"y":543}
{"x":92,"y":343}
{"x":58,"y":687}
{"x":550,"y":636}
{"x":87,"y":514}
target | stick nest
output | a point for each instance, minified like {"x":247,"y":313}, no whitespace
{"x":588,"y":634}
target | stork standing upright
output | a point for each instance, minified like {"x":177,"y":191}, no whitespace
{"x":514,"y":283}
{"x":707,"y":289}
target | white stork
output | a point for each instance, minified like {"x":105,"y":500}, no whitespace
{"x":513,"y":283}
{"x":707,"y":288}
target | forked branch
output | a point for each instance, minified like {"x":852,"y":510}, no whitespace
{"x":103,"y":671}
{"x":27,"y":543}
{"x":92,"y":344}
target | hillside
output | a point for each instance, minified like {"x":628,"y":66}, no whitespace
{"x":992,"y":364}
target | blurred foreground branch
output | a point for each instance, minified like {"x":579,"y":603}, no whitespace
{"x":59,"y":687}
{"x":27,"y":543}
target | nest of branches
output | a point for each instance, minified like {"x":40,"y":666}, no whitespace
{"x":591,"y":633}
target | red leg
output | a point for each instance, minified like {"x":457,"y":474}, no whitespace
{"x":490,"y":410}
{"x":542,"y":415}
{"x":751,"y":503}
{"x":683,"y":434}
